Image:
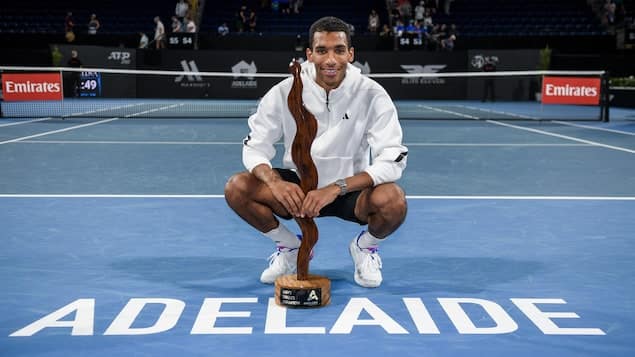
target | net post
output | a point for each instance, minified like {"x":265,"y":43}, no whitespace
{"x":605,"y":97}
{"x":1,"y":95}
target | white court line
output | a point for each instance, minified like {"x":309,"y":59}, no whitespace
{"x":19,"y":195}
{"x":552,"y":121}
{"x":105,"y":109}
{"x":594,"y":128}
{"x":498,"y":112}
{"x":594,"y":143}
{"x":24,"y":122}
{"x":494,"y":144}
{"x":84,"y":125}
{"x":412,"y":197}
{"x":154,"y":110}
{"x":122,"y":142}
{"x":71,"y":115}
{"x":521,"y":198}
{"x":448,"y":112}
{"x":559,"y":122}
{"x":56,"y":131}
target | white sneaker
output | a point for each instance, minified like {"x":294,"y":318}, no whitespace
{"x":367,"y":264}
{"x":282,"y":262}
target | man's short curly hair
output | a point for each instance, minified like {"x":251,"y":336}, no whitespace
{"x":329,"y":24}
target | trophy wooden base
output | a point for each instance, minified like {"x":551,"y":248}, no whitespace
{"x":313,"y":292}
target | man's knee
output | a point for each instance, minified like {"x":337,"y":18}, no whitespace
{"x":389,"y":200}
{"x":237,"y":187}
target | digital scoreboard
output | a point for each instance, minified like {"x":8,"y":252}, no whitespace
{"x":90,"y":84}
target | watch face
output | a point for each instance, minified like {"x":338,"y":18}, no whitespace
{"x":342,"y":185}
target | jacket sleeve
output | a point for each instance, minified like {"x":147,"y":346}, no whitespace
{"x":265,"y":129}
{"x":384,"y":137}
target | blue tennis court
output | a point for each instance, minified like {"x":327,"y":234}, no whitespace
{"x":116,"y":240}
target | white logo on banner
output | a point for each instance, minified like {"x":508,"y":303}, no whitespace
{"x":365,"y":68}
{"x":479,"y":61}
{"x":244,"y":81}
{"x":417,"y":68}
{"x":122,"y":57}
{"x":194,"y":80}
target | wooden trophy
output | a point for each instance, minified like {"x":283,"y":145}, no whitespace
{"x":303,"y":289}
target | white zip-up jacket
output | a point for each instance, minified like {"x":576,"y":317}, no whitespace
{"x":358,"y":128}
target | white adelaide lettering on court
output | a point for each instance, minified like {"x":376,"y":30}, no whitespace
{"x":417,"y":68}
{"x":244,"y":81}
{"x":354,"y":314}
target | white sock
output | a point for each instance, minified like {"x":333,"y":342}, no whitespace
{"x":282,"y":236}
{"x":367,"y":240}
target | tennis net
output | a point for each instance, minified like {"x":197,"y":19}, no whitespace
{"x":36,"y":92}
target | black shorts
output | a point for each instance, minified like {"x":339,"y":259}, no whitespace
{"x":343,"y":207}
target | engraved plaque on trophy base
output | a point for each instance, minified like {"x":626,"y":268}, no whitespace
{"x":310,"y":293}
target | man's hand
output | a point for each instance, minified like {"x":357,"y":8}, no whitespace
{"x":289,"y":195}
{"x":316,"y":200}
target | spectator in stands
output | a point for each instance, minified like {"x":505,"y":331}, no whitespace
{"x":489,"y":90}
{"x":351,"y":29}
{"x":284,"y":6}
{"x":405,"y":9}
{"x":297,"y":6}
{"x":190,"y":25}
{"x":427,"y":18}
{"x":159,"y":33}
{"x":244,"y":18}
{"x":609,"y":11}
{"x":420,"y":11}
{"x":181,"y":10}
{"x":74,"y":82}
{"x":385,"y":31}
{"x":446,"y":6}
{"x":238,"y":23}
{"x":399,"y":28}
{"x":435,"y":36}
{"x":143,"y":40}
{"x":56,"y":56}
{"x":176,"y":25}
{"x":395,"y":15}
{"x":447,"y":44}
{"x":223,"y":30}
{"x":68,"y":22}
{"x":373,"y":21}
{"x":93,"y":25}
{"x":253,"y":19}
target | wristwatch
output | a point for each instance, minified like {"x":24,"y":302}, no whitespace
{"x":341,"y":183}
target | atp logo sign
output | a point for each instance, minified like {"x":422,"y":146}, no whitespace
{"x":426,"y":69}
{"x":123,"y":57}
{"x":242,"y":81}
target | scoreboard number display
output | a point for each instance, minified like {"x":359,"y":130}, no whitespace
{"x":90,"y":84}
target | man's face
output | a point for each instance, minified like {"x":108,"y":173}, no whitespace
{"x":330,"y":54}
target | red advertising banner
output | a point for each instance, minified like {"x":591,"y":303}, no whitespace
{"x":570,"y":90}
{"x":32,"y":86}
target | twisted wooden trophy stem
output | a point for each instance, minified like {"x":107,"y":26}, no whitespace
{"x":306,"y":125}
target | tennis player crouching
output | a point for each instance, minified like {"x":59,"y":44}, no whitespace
{"x":357,"y":151}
